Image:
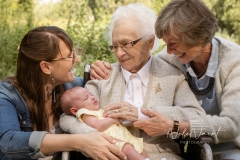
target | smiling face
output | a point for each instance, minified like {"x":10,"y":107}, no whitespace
{"x":136,"y":57}
{"x":62,"y":69}
{"x":184,"y":53}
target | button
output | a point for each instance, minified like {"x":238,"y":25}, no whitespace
{"x":24,"y":122}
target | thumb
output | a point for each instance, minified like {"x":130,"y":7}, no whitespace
{"x":148,"y":112}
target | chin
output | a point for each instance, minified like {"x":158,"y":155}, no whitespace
{"x":70,"y":78}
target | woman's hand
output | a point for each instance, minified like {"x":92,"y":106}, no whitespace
{"x":122,"y":111}
{"x":100,"y":70}
{"x":101,"y":147}
{"x":156,"y":125}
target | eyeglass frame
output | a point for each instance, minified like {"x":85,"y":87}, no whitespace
{"x":62,"y":58}
{"x":121,"y":45}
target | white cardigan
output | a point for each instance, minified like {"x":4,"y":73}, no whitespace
{"x":226,"y":126}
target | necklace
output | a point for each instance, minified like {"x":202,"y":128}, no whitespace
{"x":202,"y":73}
{"x":194,"y":88}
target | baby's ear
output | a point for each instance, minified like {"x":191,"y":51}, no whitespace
{"x":73,"y":111}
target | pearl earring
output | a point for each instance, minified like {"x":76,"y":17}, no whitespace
{"x":52,"y":78}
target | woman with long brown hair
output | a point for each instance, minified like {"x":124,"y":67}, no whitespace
{"x":29,"y":101}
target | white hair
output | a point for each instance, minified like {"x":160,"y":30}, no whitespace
{"x":145,"y":17}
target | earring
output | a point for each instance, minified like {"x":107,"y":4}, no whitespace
{"x":52,"y":78}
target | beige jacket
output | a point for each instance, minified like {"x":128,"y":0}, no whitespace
{"x":226,"y":126}
{"x":173,"y":98}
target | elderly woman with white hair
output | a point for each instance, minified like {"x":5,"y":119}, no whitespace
{"x":141,"y":81}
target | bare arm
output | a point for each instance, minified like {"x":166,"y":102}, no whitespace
{"x":99,"y":124}
{"x":103,"y":150}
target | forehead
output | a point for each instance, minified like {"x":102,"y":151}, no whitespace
{"x":124,"y":30}
{"x":63,"y":47}
{"x":171,"y":37}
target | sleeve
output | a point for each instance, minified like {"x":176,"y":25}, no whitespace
{"x":82,"y":111}
{"x":71,"y":124}
{"x":14,"y":142}
{"x":226,"y":126}
{"x":185,"y":105}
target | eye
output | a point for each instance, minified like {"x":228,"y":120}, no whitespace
{"x":125,"y":44}
{"x":85,"y":98}
{"x":114,"y":46}
{"x":174,"y":43}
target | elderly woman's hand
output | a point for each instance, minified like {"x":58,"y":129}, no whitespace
{"x":122,"y":111}
{"x":100,"y":70}
{"x":156,"y":125}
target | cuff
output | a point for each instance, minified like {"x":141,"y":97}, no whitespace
{"x":196,"y":128}
{"x":35,"y":142}
{"x":141,"y":116}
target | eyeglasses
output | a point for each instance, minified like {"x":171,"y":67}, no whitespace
{"x":124,"y":46}
{"x":72,"y":57}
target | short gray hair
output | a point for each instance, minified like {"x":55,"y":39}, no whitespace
{"x":192,"y":20}
{"x":145,"y":17}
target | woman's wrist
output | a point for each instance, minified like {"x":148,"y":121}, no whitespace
{"x":184,"y":127}
{"x":180,"y":127}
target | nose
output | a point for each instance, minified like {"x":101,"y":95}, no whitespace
{"x":76,"y":60}
{"x":120,"y":52}
{"x":92,"y":98}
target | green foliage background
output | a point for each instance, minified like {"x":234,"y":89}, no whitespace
{"x":86,"y":21}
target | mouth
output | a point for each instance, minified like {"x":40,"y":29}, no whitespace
{"x":181,"y":55}
{"x":124,"y":60}
{"x":71,"y":70}
{"x":95,"y":102}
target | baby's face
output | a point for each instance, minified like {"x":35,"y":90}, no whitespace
{"x":87,"y":100}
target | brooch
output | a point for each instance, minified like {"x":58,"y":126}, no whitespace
{"x":158,"y":88}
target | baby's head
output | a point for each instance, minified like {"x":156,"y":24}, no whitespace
{"x":76,"y":98}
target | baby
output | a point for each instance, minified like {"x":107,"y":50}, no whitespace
{"x":80,"y":102}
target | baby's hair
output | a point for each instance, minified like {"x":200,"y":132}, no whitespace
{"x":67,"y":98}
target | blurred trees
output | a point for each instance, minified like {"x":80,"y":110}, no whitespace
{"x":86,"y":22}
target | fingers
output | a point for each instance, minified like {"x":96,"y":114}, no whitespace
{"x":100,"y":70}
{"x":115,"y":152}
{"x":121,"y":110}
{"x":139,"y":124}
{"x":107,"y":65}
{"x":148,"y":112}
{"x":110,"y":109}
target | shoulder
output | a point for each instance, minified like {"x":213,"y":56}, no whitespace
{"x":9,"y":90}
{"x":170,"y":58}
{"x":116,"y":68}
{"x":229,"y":55}
{"x":165,"y":67}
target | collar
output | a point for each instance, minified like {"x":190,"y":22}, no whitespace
{"x":212,"y":64}
{"x":143,"y":73}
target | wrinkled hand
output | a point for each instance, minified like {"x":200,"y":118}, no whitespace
{"x":100,"y":146}
{"x":122,"y":111}
{"x":100,"y":70}
{"x":156,"y":125}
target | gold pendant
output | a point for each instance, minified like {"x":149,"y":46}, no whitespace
{"x":158,"y":88}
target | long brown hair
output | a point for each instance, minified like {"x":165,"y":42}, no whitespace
{"x":39,"y":44}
